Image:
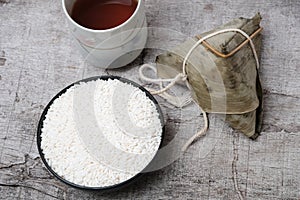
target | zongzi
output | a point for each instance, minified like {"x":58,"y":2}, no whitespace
{"x":223,"y":73}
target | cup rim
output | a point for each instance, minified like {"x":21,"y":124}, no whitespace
{"x":104,"y":30}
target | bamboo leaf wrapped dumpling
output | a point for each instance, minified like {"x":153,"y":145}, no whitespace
{"x":223,"y":74}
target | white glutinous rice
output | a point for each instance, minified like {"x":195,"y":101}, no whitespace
{"x":101,"y":133}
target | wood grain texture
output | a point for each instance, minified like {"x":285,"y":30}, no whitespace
{"x":37,"y":59}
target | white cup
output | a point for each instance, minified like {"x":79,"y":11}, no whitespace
{"x":114,"y":47}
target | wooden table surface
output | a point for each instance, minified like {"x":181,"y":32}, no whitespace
{"x":38,"y":59}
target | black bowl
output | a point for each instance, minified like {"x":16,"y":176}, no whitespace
{"x":43,"y":116}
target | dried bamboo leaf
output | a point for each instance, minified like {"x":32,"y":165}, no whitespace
{"x":228,"y":86}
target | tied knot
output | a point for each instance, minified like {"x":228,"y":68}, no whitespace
{"x":181,"y":77}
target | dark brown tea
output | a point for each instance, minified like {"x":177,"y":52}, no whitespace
{"x":102,"y":14}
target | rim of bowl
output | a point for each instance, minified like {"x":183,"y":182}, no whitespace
{"x":105,"y":188}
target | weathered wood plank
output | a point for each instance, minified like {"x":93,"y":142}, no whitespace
{"x":37,"y":59}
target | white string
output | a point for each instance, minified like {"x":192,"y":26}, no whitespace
{"x":172,"y":81}
{"x":199,"y":134}
{"x":217,"y":33}
{"x":183,"y":77}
